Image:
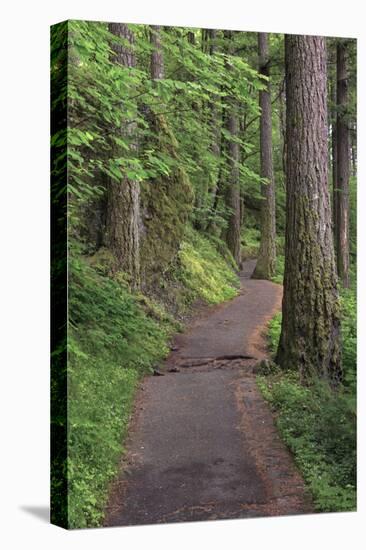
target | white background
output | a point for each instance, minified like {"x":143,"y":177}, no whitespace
{"x":24,"y":272}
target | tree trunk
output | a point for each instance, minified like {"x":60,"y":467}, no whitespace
{"x":282,"y":116}
{"x":166,"y":199}
{"x":123,"y":203}
{"x":232,"y":195}
{"x":334,"y":162}
{"x":216,"y":122}
{"x":343,"y":165}
{"x":157,"y":61}
{"x":266,"y":264}
{"x":232,"y":189}
{"x":310,"y":334}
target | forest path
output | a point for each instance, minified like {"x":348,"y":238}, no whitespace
{"x":202,"y":443}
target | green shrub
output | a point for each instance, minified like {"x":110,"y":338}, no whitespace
{"x":349,"y":336}
{"x":274,"y":332}
{"x":280,"y":269}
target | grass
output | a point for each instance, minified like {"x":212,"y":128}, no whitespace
{"x":115,"y":337}
{"x":317,"y":423}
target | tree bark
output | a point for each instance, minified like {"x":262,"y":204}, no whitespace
{"x":123,"y":203}
{"x":343,"y":165}
{"x":310,"y":334}
{"x":216,"y":122}
{"x":266,"y":263}
{"x":232,"y":189}
{"x":334,"y":161}
{"x":157,"y":61}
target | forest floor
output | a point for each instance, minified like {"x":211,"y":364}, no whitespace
{"x":202,"y":442}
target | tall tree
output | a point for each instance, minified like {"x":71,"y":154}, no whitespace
{"x":232,"y":189}
{"x":157,"y":60}
{"x":343,"y":165}
{"x":123,"y":201}
{"x":310,"y":333}
{"x":266,"y":264}
{"x":333,"y":90}
{"x":166,"y":197}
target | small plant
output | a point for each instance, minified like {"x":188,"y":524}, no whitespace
{"x":316,"y":422}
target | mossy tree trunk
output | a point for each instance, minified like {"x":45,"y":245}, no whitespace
{"x":310,"y":334}
{"x":123,"y":201}
{"x":266,"y":263}
{"x":167,"y":199}
{"x":343,"y":165}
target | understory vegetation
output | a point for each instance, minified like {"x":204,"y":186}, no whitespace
{"x":318,"y":423}
{"x":115,"y":337}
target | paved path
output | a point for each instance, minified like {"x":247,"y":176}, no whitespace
{"x":202,"y":443}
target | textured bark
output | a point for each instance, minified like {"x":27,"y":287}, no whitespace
{"x":353,"y":137}
{"x":266,"y":264}
{"x":232,"y":195}
{"x":157,"y":61}
{"x":282,"y":115}
{"x":310,"y":335}
{"x":343,"y":165}
{"x":123,"y":203}
{"x":232,"y":189}
{"x":334,"y":161}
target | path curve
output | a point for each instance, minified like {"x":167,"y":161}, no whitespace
{"x":202,"y":443}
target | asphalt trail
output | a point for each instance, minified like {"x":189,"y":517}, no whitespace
{"x":202,"y":443}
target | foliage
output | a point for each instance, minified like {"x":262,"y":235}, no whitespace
{"x":274,"y":332}
{"x":204,"y":271}
{"x":196,"y":81}
{"x":170,"y":136}
{"x":319,"y":427}
{"x":319,"y":423}
{"x":113,"y":339}
{"x":349,"y":336}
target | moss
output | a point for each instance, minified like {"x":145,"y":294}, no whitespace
{"x":168,"y":202}
{"x":204,"y":271}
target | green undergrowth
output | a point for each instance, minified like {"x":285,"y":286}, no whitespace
{"x":206,"y":269}
{"x":115,"y":337}
{"x":317,"y":423}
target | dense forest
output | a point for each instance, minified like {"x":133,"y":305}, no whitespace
{"x":177,"y":155}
